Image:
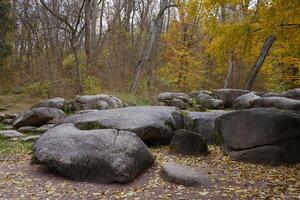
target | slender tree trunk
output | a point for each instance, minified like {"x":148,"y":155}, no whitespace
{"x":87,"y":39}
{"x":229,"y":71}
{"x":259,"y":62}
{"x":94,"y":15}
{"x":79,"y":85}
{"x":15,"y":33}
{"x":153,"y":41}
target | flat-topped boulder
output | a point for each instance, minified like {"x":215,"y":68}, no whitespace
{"x":99,"y":102}
{"x":228,"y":95}
{"x":44,"y":128}
{"x":277,"y":102}
{"x":203,"y":123}
{"x":58,"y":103}
{"x":261,"y":135}
{"x":184,"y":175}
{"x":188,"y":142}
{"x":245,"y":101}
{"x":179,"y":100}
{"x":153,"y":124}
{"x":103,"y":156}
{"x":39,"y":116}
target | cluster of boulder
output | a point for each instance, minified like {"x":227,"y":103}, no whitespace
{"x":179,"y":100}
{"x":233,"y":98}
{"x":110,"y":145}
{"x":46,"y":114}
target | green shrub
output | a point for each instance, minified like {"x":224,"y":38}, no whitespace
{"x":92,"y":85}
{"x":38,"y":89}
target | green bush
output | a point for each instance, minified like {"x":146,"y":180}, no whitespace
{"x":92,"y":85}
{"x":38,"y":89}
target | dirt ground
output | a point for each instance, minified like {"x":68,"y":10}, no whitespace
{"x":229,"y":180}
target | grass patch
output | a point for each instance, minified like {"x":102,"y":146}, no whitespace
{"x":10,"y":148}
{"x":11,"y":99}
{"x":132,"y":99}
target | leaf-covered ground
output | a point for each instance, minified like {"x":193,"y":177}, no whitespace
{"x":229,"y":179}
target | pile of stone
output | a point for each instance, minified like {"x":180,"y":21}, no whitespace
{"x":107,"y":145}
{"x":179,"y":100}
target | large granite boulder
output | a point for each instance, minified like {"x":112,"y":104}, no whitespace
{"x":153,"y":124}
{"x":100,"y":102}
{"x":292,"y":94}
{"x":179,"y":100}
{"x":245,"y":101}
{"x":261,"y":135}
{"x":58,"y":103}
{"x":104,"y":155}
{"x":189,"y":143}
{"x":208,"y":101}
{"x":277,"y":102}
{"x":184,"y":175}
{"x":203,"y":123}
{"x":228,"y":95}
{"x":39,"y":117}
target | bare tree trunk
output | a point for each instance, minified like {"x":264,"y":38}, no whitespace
{"x":79,"y":85}
{"x":15,"y":33}
{"x":87,"y":39}
{"x":153,"y":41}
{"x":93,"y":32}
{"x":229,"y":71}
{"x":260,"y":61}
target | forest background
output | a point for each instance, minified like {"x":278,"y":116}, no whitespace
{"x":62,"y":48}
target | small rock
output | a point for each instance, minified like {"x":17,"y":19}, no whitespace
{"x":208,"y":101}
{"x":51,"y":103}
{"x":228,"y":95}
{"x":293,"y":94}
{"x":18,"y":90}
{"x":31,"y":138}
{"x":180,"y":100}
{"x":27,"y":129}
{"x":245,"y":101}
{"x":8,"y":121}
{"x":11,"y":134}
{"x":187,"y":142}
{"x":39,"y":117}
{"x":10,"y":116}
{"x":184,"y":175}
{"x":44,"y":128}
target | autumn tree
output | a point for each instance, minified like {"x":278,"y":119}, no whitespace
{"x":183,"y":67}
